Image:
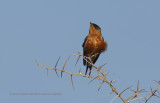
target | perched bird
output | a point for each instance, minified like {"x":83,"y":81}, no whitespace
{"x":93,"y":46}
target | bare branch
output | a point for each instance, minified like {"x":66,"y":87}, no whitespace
{"x":103,"y":78}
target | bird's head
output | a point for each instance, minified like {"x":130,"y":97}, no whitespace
{"x":94,"y":28}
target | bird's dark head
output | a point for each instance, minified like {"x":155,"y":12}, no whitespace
{"x":94,"y":28}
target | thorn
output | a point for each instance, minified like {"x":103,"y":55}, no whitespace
{"x":105,"y":70}
{"x":61,"y":74}
{"x":64,"y":66}
{"x":47,"y":71}
{"x":72,"y":82}
{"x":102,"y":65}
{"x":93,"y":79}
{"x":157,"y":82}
{"x":109,"y":94}
{"x":138,"y":86}
{"x":57,"y":61}
{"x":158,"y":92}
{"x":100,"y":85}
{"x":77,"y":60}
{"x":79,"y":71}
{"x":56,"y":66}
{"x":37,"y":62}
{"x":125,"y":89}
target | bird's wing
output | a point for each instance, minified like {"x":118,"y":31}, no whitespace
{"x":84,"y":41}
{"x":95,"y":58}
{"x":84,"y":52}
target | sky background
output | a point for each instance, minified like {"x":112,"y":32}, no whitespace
{"x":47,"y":29}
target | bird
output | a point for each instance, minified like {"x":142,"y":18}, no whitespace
{"x":93,"y":46}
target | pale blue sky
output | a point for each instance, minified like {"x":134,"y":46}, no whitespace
{"x":47,"y":29}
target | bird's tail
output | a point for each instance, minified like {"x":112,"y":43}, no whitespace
{"x":90,"y":71}
{"x":86,"y":69}
{"x":90,"y":67}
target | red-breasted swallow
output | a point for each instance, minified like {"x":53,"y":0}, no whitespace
{"x":93,"y":46}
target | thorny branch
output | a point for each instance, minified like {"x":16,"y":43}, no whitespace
{"x":103,"y":79}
